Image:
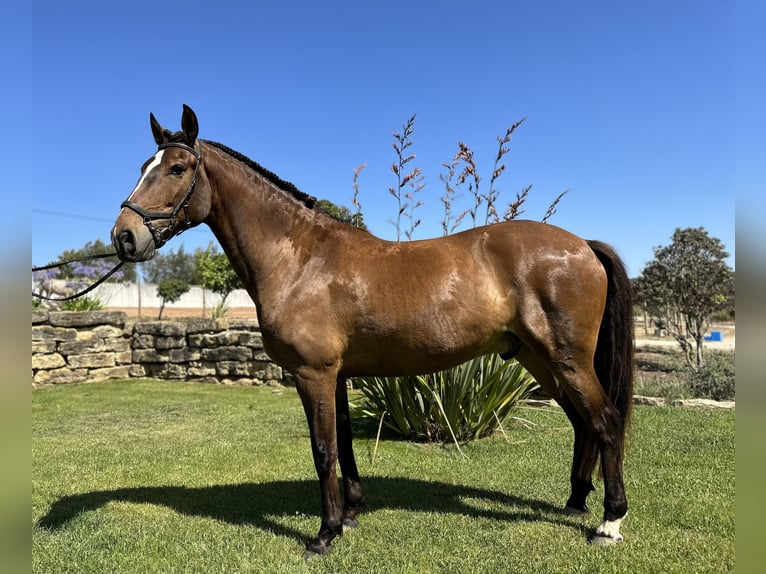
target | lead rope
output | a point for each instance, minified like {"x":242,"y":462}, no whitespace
{"x":88,"y":289}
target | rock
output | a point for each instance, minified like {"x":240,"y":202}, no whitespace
{"x":704,"y":403}
{"x":651,"y":401}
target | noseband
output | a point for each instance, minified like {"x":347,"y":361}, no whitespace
{"x":162,"y":236}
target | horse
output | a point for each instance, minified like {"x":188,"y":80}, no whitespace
{"x":51,"y":289}
{"x":60,"y":287}
{"x":334,"y":301}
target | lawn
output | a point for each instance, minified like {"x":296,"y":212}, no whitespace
{"x":148,"y":476}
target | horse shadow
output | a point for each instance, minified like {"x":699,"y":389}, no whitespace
{"x":262,"y":504}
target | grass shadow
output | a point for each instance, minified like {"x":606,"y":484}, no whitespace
{"x":259,"y":504}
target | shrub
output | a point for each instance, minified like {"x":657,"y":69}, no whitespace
{"x":714,"y":380}
{"x":466,"y":402}
{"x":83,"y":304}
{"x":665,"y":373}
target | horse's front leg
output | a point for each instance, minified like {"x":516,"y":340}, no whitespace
{"x":353,"y":496}
{"x":317,"y":392}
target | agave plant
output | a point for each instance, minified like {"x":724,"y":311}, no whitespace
{"x":463,"y":403}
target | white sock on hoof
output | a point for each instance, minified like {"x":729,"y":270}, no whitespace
{"x":608,"y":532}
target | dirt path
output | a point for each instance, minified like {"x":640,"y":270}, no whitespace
{"x":174,"y":312}
{"x":728,"y":335}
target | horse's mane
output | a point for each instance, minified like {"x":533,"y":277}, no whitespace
{"x":306,"y":199}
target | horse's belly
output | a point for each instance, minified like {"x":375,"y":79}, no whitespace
{"x":419,"y":349}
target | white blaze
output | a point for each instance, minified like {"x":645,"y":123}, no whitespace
{"x":156,"y":161}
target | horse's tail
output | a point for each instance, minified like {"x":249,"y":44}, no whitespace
{"x":614,"y":351}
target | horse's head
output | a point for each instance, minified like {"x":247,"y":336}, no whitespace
{"x":171,"y":195}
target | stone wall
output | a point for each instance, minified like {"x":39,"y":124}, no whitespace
{"x":99,"y":345}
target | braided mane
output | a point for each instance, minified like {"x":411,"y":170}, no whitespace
{"x":306,"y":199}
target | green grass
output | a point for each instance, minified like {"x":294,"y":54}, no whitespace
{"x":172,"y":477}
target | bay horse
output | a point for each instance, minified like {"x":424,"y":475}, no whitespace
{"x":334,"y":302}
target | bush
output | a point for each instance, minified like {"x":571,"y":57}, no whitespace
{"x":83,"y":304}
{"x":466,"y":402}
{"x":715,"y":380}
{"x":666,"y":373}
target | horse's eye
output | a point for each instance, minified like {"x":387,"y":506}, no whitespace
{"x":177,"y":169}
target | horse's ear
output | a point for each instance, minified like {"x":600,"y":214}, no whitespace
{"x":157,"y":130}
{"x":189,"y":126}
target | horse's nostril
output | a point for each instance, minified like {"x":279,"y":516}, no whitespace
{"x":128,"y":242}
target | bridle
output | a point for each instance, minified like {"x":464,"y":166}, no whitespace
{"x":162,"y":236}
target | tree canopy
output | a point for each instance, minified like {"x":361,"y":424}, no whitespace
{"x":684,"y":285}
{"x":169,"y":291}
{"x":173,"y":264}
{"x":342,"y":213}
{"x":94,"y":268}
{"x":216,"y":273}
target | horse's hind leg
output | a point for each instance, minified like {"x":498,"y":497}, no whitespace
{"x":601,"y":425}
{"x":353,"y":496}
{"x":604,"y":428}
{"x":585,"y":452}
{"x":584,"y":459}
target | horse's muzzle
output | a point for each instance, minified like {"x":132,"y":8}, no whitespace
{"x":131,"y":246}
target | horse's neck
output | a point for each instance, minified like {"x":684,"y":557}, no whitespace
{"x":263,"y":230}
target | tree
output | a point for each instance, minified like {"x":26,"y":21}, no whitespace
{"x":217,"y":274}
{"x":171,"y":265}
{"x":685,"y":284}
{"x":342,"y":213}
{"x":170,"y":291}
{"x":93,"y":268}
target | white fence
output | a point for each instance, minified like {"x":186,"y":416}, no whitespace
{"x":136,"y":295}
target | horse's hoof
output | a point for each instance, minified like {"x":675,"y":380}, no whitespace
{"x":313,"y":550}
{"x":608,"y":533}
{"x":572,"y":511}
{"x":350,"y":524}
{"x":605,"y":540}
{"x":308,"y":554}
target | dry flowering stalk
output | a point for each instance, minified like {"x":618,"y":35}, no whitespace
{"x":413,"y":179}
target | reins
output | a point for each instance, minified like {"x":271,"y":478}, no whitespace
{"x":160,"y":236}
{"x":88,"y":289}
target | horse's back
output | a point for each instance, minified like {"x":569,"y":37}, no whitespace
{"x":445,"y":300}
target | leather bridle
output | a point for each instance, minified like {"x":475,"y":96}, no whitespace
{"x":163,"y":235}
{"x":160,"y":236}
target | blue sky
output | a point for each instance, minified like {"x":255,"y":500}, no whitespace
{"x":636,"y":108}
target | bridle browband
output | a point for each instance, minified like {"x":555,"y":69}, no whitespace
{"x":162,"y":236}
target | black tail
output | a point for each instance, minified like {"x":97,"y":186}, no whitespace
{"x":614,"y":351}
